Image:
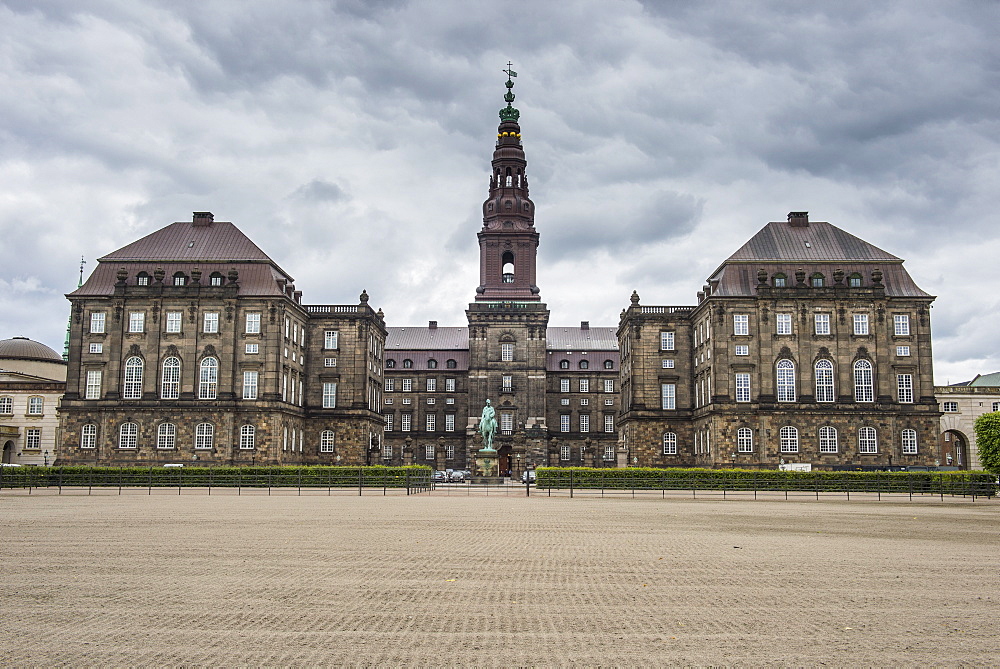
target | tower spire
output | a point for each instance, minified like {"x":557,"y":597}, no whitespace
{"x":69,"y":322}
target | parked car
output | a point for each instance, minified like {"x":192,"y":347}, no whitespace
{"x":440,"y":476}
{"x":456,"y":475}
{"x":528,"y":475}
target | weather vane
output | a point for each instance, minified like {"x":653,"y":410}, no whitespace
{"x":509,"y":113}
{"x":510,"y":73}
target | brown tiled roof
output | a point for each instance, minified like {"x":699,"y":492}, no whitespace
{"x":255,"y":280}
{"x":740,"y":279}
{"x":424,"y":338}
{"x":186,"y":242}
{"x":420,"y":358}
{"x":781,"y":241}
{"x":578,"y":339}
{"x":594,"y":358}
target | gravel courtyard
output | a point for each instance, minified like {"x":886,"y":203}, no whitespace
{"x":492,"y":581}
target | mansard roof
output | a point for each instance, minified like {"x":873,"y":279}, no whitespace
{"x":425,"y":338}
{"x":189,"y":241}
{"x":582,"y":339}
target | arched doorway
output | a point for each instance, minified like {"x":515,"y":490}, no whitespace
{"x":954,"y":449}
{"x":503,"y":458}
{"x":8,"y":452}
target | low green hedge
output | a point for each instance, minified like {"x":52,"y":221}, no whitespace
{"x":222,"y":477}
{"x":648,"y":478}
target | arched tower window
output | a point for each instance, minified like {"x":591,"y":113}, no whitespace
{"x":507,"y":260}
{"x":510,"y":178}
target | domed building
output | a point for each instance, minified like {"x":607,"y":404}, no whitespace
{"x":32,"y":380}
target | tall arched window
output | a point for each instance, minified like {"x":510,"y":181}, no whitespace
{"x":166,"y":435}
{"x":786,"y":381}
{"x":828,"y":439}
{"x":133,"y":379}
{"x":909,"y":442}
{"x":507,"y":262}
{"x":824,"y":381}
{"x":789,"y":438}
{"x":128,"y":435}
{"x":670,"y":443}
{"x":744,"y":440}
{"x":208,"y":380}
{"x":867,"y":440}
{"x":248,"y":437}
{"x":326,"y":441}
{"x":88,"y":436}
{"x":204,"y":436}
{"x":864,"y":387}
{"x":170,"y":383}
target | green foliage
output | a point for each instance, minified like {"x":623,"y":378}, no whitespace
{"x":988,"y":441}
{"x":218,"y":477}
{"x":647,"y":478}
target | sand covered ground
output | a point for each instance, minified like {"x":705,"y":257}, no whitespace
{"x":437,"y":579}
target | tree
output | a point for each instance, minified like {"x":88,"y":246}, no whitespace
{"x":988,"y":441}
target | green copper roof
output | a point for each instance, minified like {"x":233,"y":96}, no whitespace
{"x":509,"y":113}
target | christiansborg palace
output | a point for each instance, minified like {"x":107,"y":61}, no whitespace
{"x":806,"y":345}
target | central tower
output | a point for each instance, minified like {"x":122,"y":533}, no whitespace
{"x":507,"y":320}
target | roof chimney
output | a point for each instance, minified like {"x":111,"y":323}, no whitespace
{"x":584,"y":325}
{"x":432,"y":325}
{"x":203,"y":218}
{"x":798,"y":219}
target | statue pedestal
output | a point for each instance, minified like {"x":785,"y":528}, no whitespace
{"x":487,"y":464}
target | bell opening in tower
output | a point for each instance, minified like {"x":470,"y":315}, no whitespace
{"x":507,"y":262}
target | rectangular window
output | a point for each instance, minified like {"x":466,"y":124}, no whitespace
{"x":330,"y":395}
{"x":36,"y":406}
{"x":996,"y":406}
{"x":609,"y":402}
{"x":204,"y":436}
{"x":407,"y":385}
{"x":742,"y":387}
{"x":449,"y":451}
{"x":904,"y":387}
{"x":390,"y":385}
{"x":431,"y":422}
{"x":666,"y":341}
{"x":432,"y":385}
{"x":249,"y":385}
{"x":741,"y":324}
{"x":137,"y":321}
{"x":564,"y":452}
{"x":584,"y":385}
{"x":668,"y":364}
{"x":564,"y":385}
{"x":609,"y":385}
{"x":903,"y":351}
{"x":744,"y":440}
{"x":901,"y":324}
{"x":404,"y":422}
{"x":253,"y":323}
{"x":860,"y":324}
{"x":564,"y":401}
{"x":609,"y":422}
{"x":822,"y":324}
{"x":742,"y":350}
{"x":564,"y":422}
{"x":506,"y":423}
{"x":388,"y":421}
{"x":449,"y":422}
{"x":97,"y":322}
{"x":97,"y":348}
{"x":609,"y":452}
{"x":506,"y":352}
{"x":6,"y":406}
{"x":584,"y":401}
{"x":407,"y":400}
{"x":449,"y":385}
{"x":909,"y":442}
{"x":174,"y":321}
{"x":166,"y":436}
{"x":784,"y":324}
{"x":329,"y":362}
{"x":33,"y":438}
{"x":327,"y":441}
{"x":949,"y":407}
{"x":668,"y":396}
{"x":450,"y":400}
{"x":93,"y":385}
{"x":428,"y":451}
{"x":210,"y":322}
{"x":252,"y":349}
{"x":88,"y":436}
{"x":331,"y":339}
{"x":828,"y":439}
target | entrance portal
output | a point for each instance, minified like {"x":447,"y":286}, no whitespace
{"x":8,"y":452}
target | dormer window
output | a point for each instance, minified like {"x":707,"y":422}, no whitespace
{"x":816,"y":280}
{"x":780,"y":280}
{"x":584,"y":364}
{"x":390,"y":363}
{"x":609,"y":364}
{"x":854,"y":280}
{"x":180,"y":279}
{"x":451,"y":364}
{"x":564,"y":364}
{"x":142,"y":279}
{"x":407,"y":364}
{"x":432,"y":364}
{"x":215,"y":279}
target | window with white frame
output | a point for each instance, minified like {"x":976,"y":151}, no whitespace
{"x":166,"y":436}
{"x":584,"y":401}
{"x":132,"y":389}
{"x":288,"y":329}
{"x":744,"y":440}
{"x":405,"y":420}
{"x":742,"y":349}
{"x":564,"y":422}
{"x":864,"y":386}
{"x":609,"y":385}
{"x":327,"y":441}
{"x":996,"y":406}
{"x":253,"y":323}
{"x":904,"y":388}
{"x":609,"y":423}
{"x":204,"y":436}
{"x":330,"y":395}
{"x":860,"y":324}
{"x":128,"y":435}
{"x":208,"y":379}
{"x":173,"y":323}
{"x":949,"y":407}
{"x":449,"y":422}
{"x":506,"y":422}
{"x":329,"y":362}
{"x":824,"y":381}
{"x":909,"y":442}
{"x":137,"y":321}
{"x":609,"y":401}
{"x":6,"y":406}
{"x":428,"y":451}
{"x":33,"y":438}
{"x":668,"y":364}
{"x":331,"y":339}
{"x":97,"y":348}
{"x":741,"y":324}
{"x":564,"y":385}
{"x":250,"y":385}
{"x":390,"y":385}
{"x":93,"y":389}
{"x":449,"y":385}
{"x":584,"y":385}
{"x":432,"y":385}
{"x":903,"y":351}
{"x":248,"y":437}
{"x":668,"y":396}
{"x":669,"y":443}
{"x":584,"y":422}
{"x":900,"y":324}
{"x":564,"y":401}
{"x":406,"y":385}
{"x":783,"y":324}
{"x":97,"y":320}
{"x":666,"y":341}
{"x":867,"y":441}
{"x":609,"y":452}
{"x":386,"y":450}
{"x":828,"y":442}
{"x":170,"y":378}
{"x":88,"y":436}
{"x":210,"y":322}
{"x":430,"y":423}
{"x":789,"y":439}
{"x":507,"y":352}
{"x":388,"y":421}
{"x":36,"y":406}
{"x":822,"y":324}
{"x":564,"y":452}
{"x":786,"y":381}
{"x":742,"y":387}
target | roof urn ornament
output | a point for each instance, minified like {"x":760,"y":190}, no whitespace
{"x":838,"y":276}
{"x":363,"y":297}
{"x":233,"y":275}
{"x":121,"y":275}
{"x":635,"y":298}
{"x":877,"y":277}
{"x":158,"y":275}
{"x":761,"y":276}
{"x":800,"y":277}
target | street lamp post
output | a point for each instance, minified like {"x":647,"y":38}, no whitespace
{"x":46,"y":456}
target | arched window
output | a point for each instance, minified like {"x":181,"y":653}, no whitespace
{"x":215,"y":279}
{"x":88,"y":436}
{"x":166,"y":435}
{"x":780,"y":280}
{"x":909,"y":442}
{"x":744,"y":440}
{"x":670,"y":443}
{"x":208,"y":380}
{"x":786,"y":381}
{"x":789,"y":437}
{"x":180,"y":279}
{"x":390,"y":363}
{"x":507,"y":261}
{"x":432,"y":364}
{"x":609,"y":364}
{"x":451,"y":364}
{"x":854,"y":280}
{"x":564,"y":364}
{"x":128,"y":435}
{"x":326,"y":441}
{"x":824,"y":381}
{"x":867,"y":440}
{"x":170,"y":383}
{"x":817,"y":280}
{"x":828,"y":439}
{"x":407,"y":364}
{"x":204,"y":436}
{"x":133,"y":379}
{"x":864,"y":388}
{"x":142,"y":279}
{"x":584,"y":364}
{"x":248,"y":437}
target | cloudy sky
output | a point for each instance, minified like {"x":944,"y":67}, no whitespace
{"x":351,"y":140}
